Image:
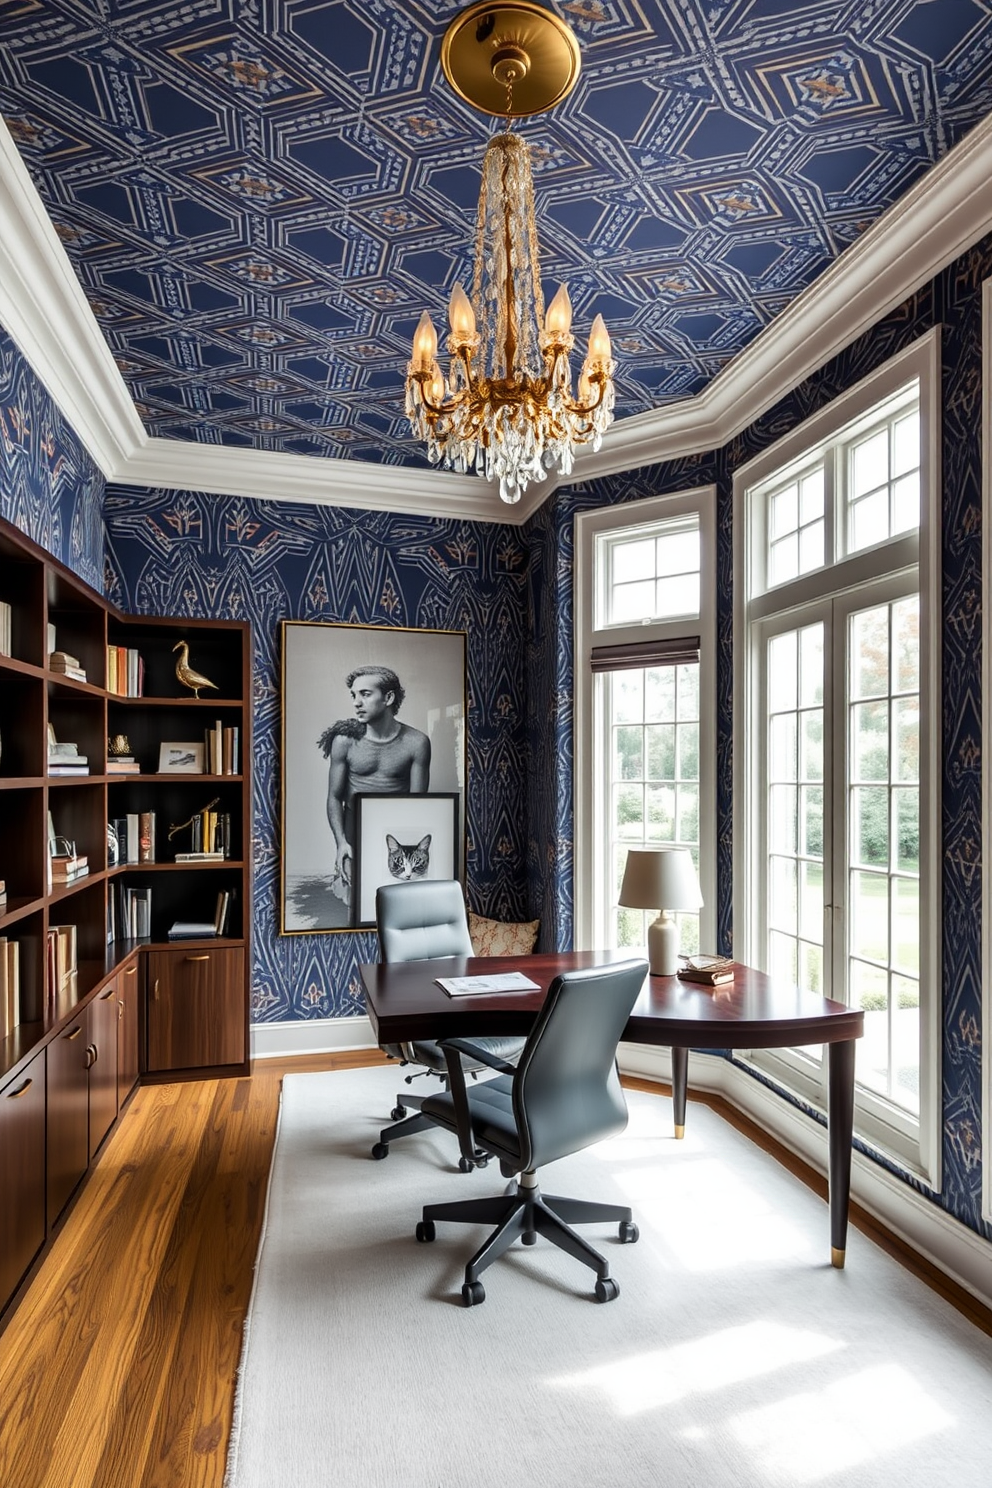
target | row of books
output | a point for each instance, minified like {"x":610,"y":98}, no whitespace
{"x":211,"y":837}
{"x":60,"y":963}
{"x":206,"y":929}
{"x":129,"y":913}
{"x":11,"y":1012}
{"x":5,"y":637}
{"x":131,"y":838}
{"x":125,"y":672}
{"x":221,"y":747}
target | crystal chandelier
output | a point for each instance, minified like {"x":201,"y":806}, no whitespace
{"x":506,"y":408}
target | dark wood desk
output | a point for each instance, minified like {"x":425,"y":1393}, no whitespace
{"x":404,"y":1003}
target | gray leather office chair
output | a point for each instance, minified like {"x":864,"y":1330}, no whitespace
{"x":564,"y":1095}
{"x":418,"y":921}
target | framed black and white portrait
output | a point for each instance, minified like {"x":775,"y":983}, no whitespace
{"x":367,"y":710}
{"x":402,"y":839}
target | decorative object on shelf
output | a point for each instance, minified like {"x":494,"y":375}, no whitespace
{"x":661,"y":878}
{"x":66,"y":864}
{"x":506,"y":408}
{"x":204,"y":835}
{"x":118,"y":747}
{"x":187,"y":676}
{"x":180,"y":759}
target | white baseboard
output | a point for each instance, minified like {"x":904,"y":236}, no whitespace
{"x":935,"y":1235}
{"x":315,"y":1036}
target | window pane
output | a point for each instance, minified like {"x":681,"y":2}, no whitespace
{"x":628,"y":812}
{"x":906,"y":644}
{"x":661,"y":814}
{"x":905,"y":925}
{"x":811,"y":821}
{"x":906,"y":739}
{"x":676,"y":596}
{"x":632,"y":602}
{"x":628,"y":747}
{"x":906,"y":806}
{"x":632,"y":560}
{"x":628,"y":697}
{"x":687,"y":814}
{"x":782,"y":818}
{"x":783,"y":651}
{"x":906,"y":443}
{"x":811,"y":496}
{"x":811,"y":901}
{"x":811,"y":665}
{"x":661,"y":751}
{"x":782,"y":747}
{"x":869,"y":741}
{"x":811,"y":744}
{"x":659,"y":694}
{"x":870,"y":463}
{"x":870,"y":916}
{"x":870,"y":653}
{"x":783,"y":560}
{"x":869,"y":521}
{"x":783,"y":514}
{"x":782,"y":958}
{"x":811,"y":547}
{"x":678,"y":552}
{"x":906,"y":504}
{"x":687,"y":685}
{"x":783,"y":902}
{"x":870,"y":826}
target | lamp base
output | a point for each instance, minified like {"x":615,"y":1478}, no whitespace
{"x":663,"y":945}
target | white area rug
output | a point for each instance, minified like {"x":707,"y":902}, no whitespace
{"x":735,"y":1354}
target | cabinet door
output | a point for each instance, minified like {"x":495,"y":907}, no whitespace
{"x":22,"y":1173}
{"x":68,"y":1115}
{"x":102,"y":1014}
{"x":127,"y":1032}
{"x":196,"y":1008}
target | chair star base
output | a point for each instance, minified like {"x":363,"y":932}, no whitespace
{"x":524,"y":1213}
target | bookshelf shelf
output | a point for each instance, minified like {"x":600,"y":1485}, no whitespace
{"x":196,"y":1026}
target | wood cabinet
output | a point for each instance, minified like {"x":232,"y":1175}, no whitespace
{"x":127,"y":1032}
{"x":22,"y":1172}
{"x":194,"y":1014}
{"x":67,"y":1135}
{"x":102,"y":1018}
{"x":125,"y":687}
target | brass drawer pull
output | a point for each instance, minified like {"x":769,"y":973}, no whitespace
{"x":74,"y":1034}
{"x":91,"y":1056}
{"x":16,"y":1094}
{"x":197,"y":958}
{"x":105,"y":995}
{"x":131,"y":971}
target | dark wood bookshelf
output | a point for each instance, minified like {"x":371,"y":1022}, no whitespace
{"x":109,"y":1026}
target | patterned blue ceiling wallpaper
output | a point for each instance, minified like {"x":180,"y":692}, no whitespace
{"x":259,"y":200}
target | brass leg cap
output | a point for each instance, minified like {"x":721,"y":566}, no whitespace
{"x":679,"y":1133}
{"x":837,"y":1258}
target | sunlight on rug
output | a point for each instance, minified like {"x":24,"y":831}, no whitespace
{"x":734,"y":1356}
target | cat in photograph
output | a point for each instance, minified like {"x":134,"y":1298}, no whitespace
{"x":408,"y":862}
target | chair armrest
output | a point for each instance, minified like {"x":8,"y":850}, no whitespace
{"x":478,"y":1053}
{"x":453,"y":1050}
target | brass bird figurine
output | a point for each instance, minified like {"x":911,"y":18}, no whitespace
{"x":186,"y":674}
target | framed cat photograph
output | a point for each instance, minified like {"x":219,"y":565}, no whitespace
{"x":402,"y":839}
{"x":367,"y":710}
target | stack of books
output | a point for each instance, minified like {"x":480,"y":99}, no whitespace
{"x":707,"y":971}
{"x":123,"y":764}
{"x":4,"y":628}
{"x":66,"y":665}
{"x":67,"y":870}
{"x":10,"y":986}
{"x":134,"y":912}
{"x":65,"y":759}
{"x":221,"y":746}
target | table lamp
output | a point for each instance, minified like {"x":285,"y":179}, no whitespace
{"x":661,"y":878}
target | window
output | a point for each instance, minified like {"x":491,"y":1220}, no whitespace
{"x":836,"y":773}
{"x":644,"y":739}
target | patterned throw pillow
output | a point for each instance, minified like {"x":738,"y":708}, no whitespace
{"x":494,"y":938}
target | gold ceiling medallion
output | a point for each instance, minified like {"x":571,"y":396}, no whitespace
{"x":506,"y":408}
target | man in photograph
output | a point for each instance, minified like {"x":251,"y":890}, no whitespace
{"x":371,"y":753}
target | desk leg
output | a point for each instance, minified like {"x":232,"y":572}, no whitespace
{"x":840,"y":1133}
{"x":680,"y":1084}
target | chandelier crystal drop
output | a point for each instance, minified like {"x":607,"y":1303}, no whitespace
{"x":506,"y":408}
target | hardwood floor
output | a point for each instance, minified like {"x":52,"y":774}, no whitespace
{"x":118,"y":1369}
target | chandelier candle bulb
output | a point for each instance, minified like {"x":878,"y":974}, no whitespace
{"x":424,"y":344}
{"x":558,"y":320}
{"x":461,"y":318}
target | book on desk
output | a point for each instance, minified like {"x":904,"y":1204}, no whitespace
{"x":707,"y":971}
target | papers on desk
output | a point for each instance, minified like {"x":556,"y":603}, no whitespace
{"x":502,"y":981}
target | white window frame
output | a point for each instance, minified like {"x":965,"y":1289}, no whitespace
{"x":916,"y":1146}
{"x":591,"y":857}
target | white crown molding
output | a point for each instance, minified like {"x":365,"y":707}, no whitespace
{"x":44,"y":309}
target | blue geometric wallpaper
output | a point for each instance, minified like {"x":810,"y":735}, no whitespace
{"x":50,"y":489}
{"x":259,"y":200}
{"x":178,"y":553}
{"x":954,"y":301}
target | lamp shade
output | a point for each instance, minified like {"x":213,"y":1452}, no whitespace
{"x":660,"y":878}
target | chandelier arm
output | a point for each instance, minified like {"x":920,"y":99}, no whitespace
{"x":602,"y":382}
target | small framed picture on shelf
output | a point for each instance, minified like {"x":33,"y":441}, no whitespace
{"x":180,"y":759}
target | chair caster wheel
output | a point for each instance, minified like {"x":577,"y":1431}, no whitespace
{"x":425,"y":1230}
{"x":473,"y":1292}
{"x":464,"y":1166}
{"x":629,"y":1233}
{"x":607,"y":1290}
{"x":398,"y":1112}
{"x":380,"y":1150}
